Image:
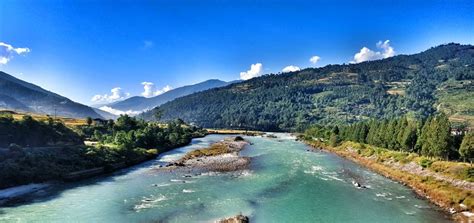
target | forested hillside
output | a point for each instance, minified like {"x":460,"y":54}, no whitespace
{"x":440,"y":78}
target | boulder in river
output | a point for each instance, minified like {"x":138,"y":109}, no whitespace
{"x":238,"y":138}
{"x":236,"y":219}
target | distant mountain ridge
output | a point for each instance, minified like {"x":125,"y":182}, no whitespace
{"x":139,"y":103}
{"x":16,"y":94}
{"x":438,"y":79}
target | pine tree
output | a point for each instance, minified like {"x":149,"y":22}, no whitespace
{"x":409,"y":138}
{"x":370,"y":139}
{"x":379,"y":139}
{"x":402,"y":130}
{"x":441,"y":136}
{"x":362,"y":132}
{"x":467,"y":147}
{"x":423,"y":143}
{"x":391,"y":135}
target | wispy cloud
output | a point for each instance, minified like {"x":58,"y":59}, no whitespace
{"x":119,"y":112}
{"x":255,"y":71}
{"x":163,"y":90}
{"x":117,"y":94}
{"x":366,"y":54}
{"x":149,"y":89}
{"x":314,"y":59}
{"x":7,"y":52}
{"x":290,"y":68}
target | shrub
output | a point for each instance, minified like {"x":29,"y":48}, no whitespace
{"x":152,"y":152}
{"x":469,"y":174}
{"x":425,"y":162}
{"x":368,"y":152}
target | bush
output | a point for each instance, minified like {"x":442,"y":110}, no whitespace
{"x":368,"y":152}
{"x":469,"y":174}
{"x":152,"y":152}
{"x":425,"y":162}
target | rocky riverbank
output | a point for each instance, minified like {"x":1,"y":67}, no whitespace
{"x":221,"y":157}
{"x":454,"y":196}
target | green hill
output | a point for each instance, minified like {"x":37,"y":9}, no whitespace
{"x":440,"y":78}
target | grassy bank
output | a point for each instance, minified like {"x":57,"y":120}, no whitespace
{"x":446,"y":184}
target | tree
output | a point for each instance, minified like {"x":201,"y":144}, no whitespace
{"x":110,"y":124}
{"x":402,"y":130}
{"x":334,"y":140}
{"x":97,"y":135}
{"x":89,"y":121}
{"x":467,"y":147}
{"x":126,"y":123}
{"x":157,"y":114}
{"x":372,"y":134}
{"x":50,"y":121}
{"x":423,"y":144}
{"x":408,"y":139}
{"x":390,"y":136}
{"x":441,"y":136}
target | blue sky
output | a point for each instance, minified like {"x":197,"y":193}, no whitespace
{"x":84,"y":48}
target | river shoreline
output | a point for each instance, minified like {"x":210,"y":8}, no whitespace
{"x":463,"y":215}
{"x":221,"y":163}
{"x":282,"y":173}
{"x":12,"y":194}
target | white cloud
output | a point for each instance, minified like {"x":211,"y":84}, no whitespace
{"x":149,"y":89}
{"x":7,"y":52}
{"x":116,"y":95}
{"x":255,"y":71}
{"x":366,"y":54}
{"x":388,"y":50}
{"x":290,"y":68}
{"x":119,"y":112}
{"x":314,"y":59}
{"x":163,"y":90}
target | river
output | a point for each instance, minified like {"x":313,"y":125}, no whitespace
{"x":285,"y":183}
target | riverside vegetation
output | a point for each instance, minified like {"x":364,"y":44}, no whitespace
{"x":423,"y":154}
{"x":433,"y":137}
{"x":41,"y":150}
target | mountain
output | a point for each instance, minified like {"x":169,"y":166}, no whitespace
{"x":16,"y":94}
{"x":139,"y":103}
{"x":439,"y":79}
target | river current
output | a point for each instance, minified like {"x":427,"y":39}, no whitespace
{"x":285,"y":183}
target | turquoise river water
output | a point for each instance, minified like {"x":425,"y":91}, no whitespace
{"x":285,"y":183}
